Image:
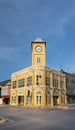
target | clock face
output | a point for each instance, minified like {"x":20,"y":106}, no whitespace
{"x":38,"y":48}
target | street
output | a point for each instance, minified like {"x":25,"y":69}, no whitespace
{"x":37,"y":119}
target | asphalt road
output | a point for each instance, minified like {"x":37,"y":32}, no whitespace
{"x":37,"y":119}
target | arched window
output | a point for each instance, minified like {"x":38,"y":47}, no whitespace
{"x":13,"y":98}
{"x":28,"y":93}
{"x":29,"y":97}
{"x":38,"y":59}
{"x":63,"y":98}
{"x":39,"y":98}
{"x":38,"y":80}
{"x":48,"y":98}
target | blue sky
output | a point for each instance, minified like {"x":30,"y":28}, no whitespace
{"x":22,"y":21}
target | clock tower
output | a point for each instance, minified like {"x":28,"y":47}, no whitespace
{"x":38,"y":52}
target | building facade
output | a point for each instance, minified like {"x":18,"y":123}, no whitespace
{"x":70,"y":86}
{"x":5,"y":91}
{"x":38,"y":85}
{"x":0,"y":95}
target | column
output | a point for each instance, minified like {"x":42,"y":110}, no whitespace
{"x":16,"y":98}
{"x":51,"y":88}
{"x":59,"y":98}
{"x":32,"y":97}
{"x":52,"y":102}
{"x":24,"y":98}
{"x":43,"y":98}
{"x":65,"y":90}
{"x":59,"y":91}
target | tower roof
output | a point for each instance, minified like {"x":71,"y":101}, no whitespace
{"x":38,"y":40}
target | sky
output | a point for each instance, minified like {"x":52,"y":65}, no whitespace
{"x":22,"y":21}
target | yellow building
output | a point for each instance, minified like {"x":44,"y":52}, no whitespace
{"x":38,"y":85}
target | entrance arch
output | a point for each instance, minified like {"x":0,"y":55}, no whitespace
{"x":6,"y":101}
{"x":20,"y":99}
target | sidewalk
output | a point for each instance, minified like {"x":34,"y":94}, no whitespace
{"x":67,"y":107}
{"x":2,"y":120}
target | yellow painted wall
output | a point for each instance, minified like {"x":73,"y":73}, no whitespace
{"x":36,"y":54}
{"x":34,"y":89}
{"x":37,"y":69}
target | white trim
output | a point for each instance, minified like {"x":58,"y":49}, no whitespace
{"x":21,"y":94}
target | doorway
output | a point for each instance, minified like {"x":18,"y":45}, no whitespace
{"x":20,"y":100}
{"x":55,"y":100}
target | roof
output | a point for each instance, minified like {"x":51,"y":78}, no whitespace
{"x":38,"y":40}
{"x":4,"y":82}
{"x":67,"y":73}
